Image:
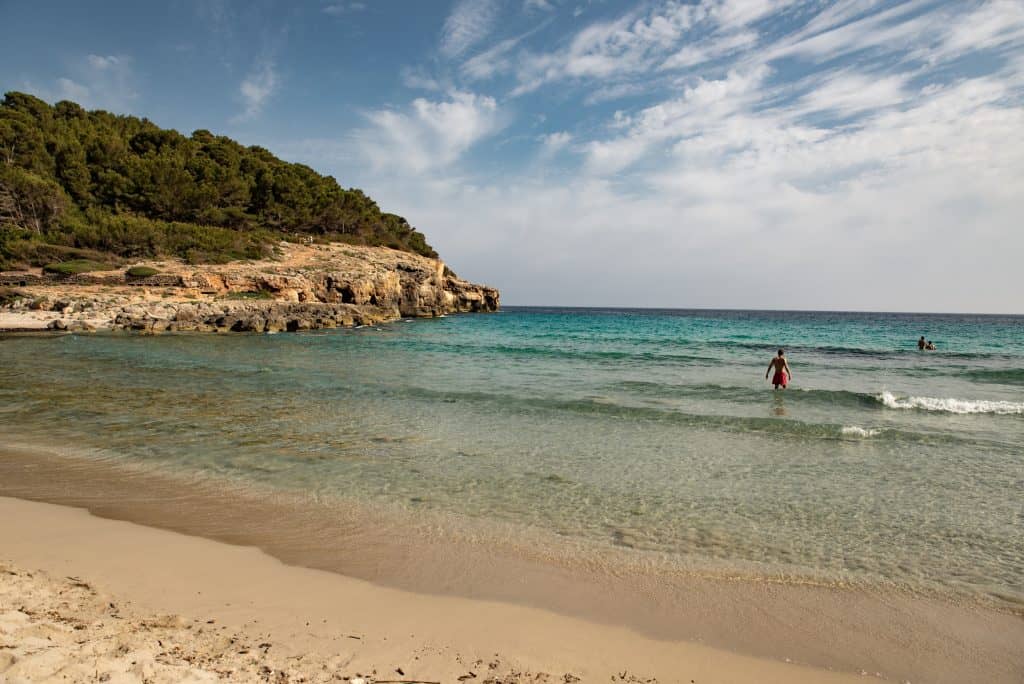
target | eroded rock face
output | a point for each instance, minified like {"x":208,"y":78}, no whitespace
{"x":304,"y":288}
{"x":339,"y":274}
{"x":261,"y":316}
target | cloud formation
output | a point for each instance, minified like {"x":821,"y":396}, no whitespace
{"x":668,"y":36}
{"x":95,"y":82}
{"x":469,"y":22}
{"x":781,"y":154}
{"x":257,"y":88}
{"x":429,"y":134}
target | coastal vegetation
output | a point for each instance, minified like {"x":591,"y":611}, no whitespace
{"x":91,"y":185}
{"x":141,"y":272}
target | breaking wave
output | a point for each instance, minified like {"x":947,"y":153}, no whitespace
{"x":952,"y":405}
{"x":855,"y":431}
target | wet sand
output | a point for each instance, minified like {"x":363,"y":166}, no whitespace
{"x":126,"y":600}
{"x":541,"y":613}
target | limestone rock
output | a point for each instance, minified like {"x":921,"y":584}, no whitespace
{"x":305,"y":287}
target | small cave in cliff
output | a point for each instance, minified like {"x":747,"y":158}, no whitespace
{"x":347,"y":295}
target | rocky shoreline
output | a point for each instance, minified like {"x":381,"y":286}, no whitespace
{"x":304,"y":287}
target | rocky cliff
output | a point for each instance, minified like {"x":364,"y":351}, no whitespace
{"x":303,"y":287}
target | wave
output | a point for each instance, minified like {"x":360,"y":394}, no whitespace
{"x":856,"y":431}
{"x":610,"y":408}
{"x":826,"y":397}
{"x":1002,"y":376}
{"x":747,"y":394}
{"x":952,"y":405}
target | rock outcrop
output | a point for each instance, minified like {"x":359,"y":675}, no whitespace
{"x":305,"y":287}
{"x":263,"y":316}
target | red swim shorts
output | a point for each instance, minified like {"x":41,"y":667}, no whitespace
{"x":780,"y":379}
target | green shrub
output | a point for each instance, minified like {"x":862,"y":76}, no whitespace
{"x":141,"y":272}
{"x":262,"y":294}
{"x":76,"y":266}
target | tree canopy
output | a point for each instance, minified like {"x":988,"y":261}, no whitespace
{"x":77,"y":183}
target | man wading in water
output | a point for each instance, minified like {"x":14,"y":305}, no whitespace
{"x":782,"y":373}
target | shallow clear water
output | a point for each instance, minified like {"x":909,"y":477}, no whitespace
{"x":653,"y":431}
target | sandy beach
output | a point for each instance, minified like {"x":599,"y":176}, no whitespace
{"x":88,"y":599}
{"x":221,"y":559}
{"x":337,"y":497}
{"x":502,"y":342}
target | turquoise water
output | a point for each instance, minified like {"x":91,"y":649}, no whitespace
{"x":653,"y":432}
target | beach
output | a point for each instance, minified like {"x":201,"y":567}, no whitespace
{"x":112,"y":601}
{"x":583,"y":492}
{"x":504,"y":342}
{"x":442,"y":608}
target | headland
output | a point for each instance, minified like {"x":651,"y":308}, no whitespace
{"x":299,"y":287}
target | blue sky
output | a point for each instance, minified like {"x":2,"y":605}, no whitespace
{"x":852,"y":154}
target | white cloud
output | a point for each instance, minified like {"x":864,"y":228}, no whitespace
{"x":492,"y":61}
{"x":418,"y":79}
{"x":431,"y":134}
{"x":838,"y":13}
{"x":258,"y":86}
{"x":852,"y":93}
{"x":892,"y":30}
{"x":752,"y":209}
{"x":101,"y":63}
{"x":704,"y":104}
{"x":339,"y":8}
{"x":739,"y":13}
{"x":671,"y":35}
{"x":469,"y":23}
{"x":615,"y":92}
{"x":96,"y":82}
{"x":71,"y":90}
{"x":995,"y":24}
{"x":917,"y":30}
{"x":496,"y":59}
{"x":555,"y":142}
{"x":707,"y":50}
{"x":674,"y":35}
{"x":604,"y":49}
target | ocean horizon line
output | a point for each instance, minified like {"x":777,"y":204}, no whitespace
{"x":655,"y":309}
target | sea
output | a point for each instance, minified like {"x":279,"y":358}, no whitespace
{"x":640,"y":434}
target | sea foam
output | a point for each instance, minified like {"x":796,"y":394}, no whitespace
{"x":951,"y":405}
{"x":855,"y":431}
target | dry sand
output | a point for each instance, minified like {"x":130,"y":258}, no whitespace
{"x":25,"y":320}
{"x":88,"y":599}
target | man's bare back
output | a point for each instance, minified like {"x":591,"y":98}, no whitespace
{"x":782,"y":373}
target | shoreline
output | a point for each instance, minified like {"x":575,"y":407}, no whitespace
{"x":150,"y":585}
{"x":845,"y":629}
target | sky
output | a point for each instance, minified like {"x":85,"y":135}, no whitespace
{"x":779,"y":154}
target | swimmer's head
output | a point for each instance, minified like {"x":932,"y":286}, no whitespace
{"x":781,"y":352}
